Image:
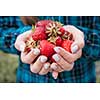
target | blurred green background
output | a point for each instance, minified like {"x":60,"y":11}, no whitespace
{"x":9,"y":63}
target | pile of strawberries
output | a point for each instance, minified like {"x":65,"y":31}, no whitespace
{"x":46,"y":34}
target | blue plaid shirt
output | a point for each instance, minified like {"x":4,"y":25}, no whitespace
{"x":84,"y":68}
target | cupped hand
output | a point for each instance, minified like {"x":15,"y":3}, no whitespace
{"x":20,"y":45}
{"x":40,"y":66}
{"x":65,"y":60}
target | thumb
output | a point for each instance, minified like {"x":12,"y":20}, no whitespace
{"x":77,"y":44}
{"x":74,"y":47}
{"x":20,"y":41}
{"x":20,"y":45}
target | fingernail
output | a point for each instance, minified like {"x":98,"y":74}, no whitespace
{"x":54,"y":67}
{"x":55,"y":75}
{"x":43,"y":59}
{"x":22,"y":47}
{"x":74,"y":48}
{"x":56,"y":57}
{"x":36,"y":51}
{"x":46,"y":66}
{"x":57,"y":49}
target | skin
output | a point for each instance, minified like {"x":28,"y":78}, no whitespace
{"x":66,"y":59}
{"x":28,"y":58}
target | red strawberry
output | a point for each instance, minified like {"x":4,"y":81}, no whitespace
{"x":43,"y":23}
{"x":27,"y":49}
{"x":46,"y":48}
{"x":39,"y":34}
{"x":52,"y":60}
{"x":58,"y":41}
{"x":30,"y":43}
{"x":66,"y":44}
{"x":67,"y":35}
{"x":62,"y":30}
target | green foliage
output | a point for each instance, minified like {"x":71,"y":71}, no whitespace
{"x":8,"y":66}
{"x":98,"y":71}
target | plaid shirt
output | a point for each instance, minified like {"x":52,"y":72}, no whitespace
{"x":84,"y":68}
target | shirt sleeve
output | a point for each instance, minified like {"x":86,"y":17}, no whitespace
{"x":8,"y":37}
{"x":92,"y":42}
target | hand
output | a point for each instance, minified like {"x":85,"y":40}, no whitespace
{"x":65,"y":60}
{"x":40,"y":65}
{"x":78,"y":37}
{"x":20,"y":45}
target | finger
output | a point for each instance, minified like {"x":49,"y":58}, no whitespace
{"x":29,"y":57}
{"x":68,"y":56}
{"x":56,"y":67}
{"x":50,"y":70}
{"x":77,"y":35}
{"x":24,"y":35}
{"x":74,"y":47}
{"x":55,"y":74}
{"x":36,"y":67}
{"x":64,"y":64}
{"x":20,"y":41}
{"x":20,"y":45}
{"x":45,"y":69}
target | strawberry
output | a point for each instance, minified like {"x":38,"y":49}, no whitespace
{"x":30,"y":43}
{"x":39,"y":34}
{"x":62,"y":30}
{"x":66,"y":44}
{"x":67,"y":35}
{"x":46,"y":48}
{"x":46,"y":35}
{"x":53,"y":29}
{"x":43,"y":23}
{"x":58,"y":41}
{"x":27,"y":49}
{"x":52,"y":60}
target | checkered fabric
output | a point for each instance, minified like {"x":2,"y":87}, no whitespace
{"x":84,"y":68}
